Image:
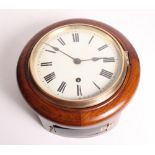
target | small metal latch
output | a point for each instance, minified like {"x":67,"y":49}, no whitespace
{"x":127,"y":57}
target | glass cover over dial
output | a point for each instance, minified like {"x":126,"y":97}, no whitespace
{"x":78,"y":62}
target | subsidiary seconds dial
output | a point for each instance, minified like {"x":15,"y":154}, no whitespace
{"x":76,"y":62}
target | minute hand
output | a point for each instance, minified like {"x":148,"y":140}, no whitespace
{"x":57,"y":49}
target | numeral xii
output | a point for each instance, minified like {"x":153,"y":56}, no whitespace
{"x":75,"y":37}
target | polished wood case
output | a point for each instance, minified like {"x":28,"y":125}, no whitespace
{"x":44,"y":105}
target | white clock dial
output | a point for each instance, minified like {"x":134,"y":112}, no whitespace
{"x":76,"y":62}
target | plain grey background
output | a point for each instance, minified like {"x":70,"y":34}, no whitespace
{"x":20,"y":125}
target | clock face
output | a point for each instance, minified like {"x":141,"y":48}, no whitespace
{"x":78,"y":62}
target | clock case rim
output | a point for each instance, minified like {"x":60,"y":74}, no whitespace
{"x":90,"y":101}
{"x":81,"y":116}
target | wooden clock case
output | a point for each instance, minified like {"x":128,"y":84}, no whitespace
{"x":106,"y":111}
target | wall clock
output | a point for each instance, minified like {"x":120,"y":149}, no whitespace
{"x":78,"y":75}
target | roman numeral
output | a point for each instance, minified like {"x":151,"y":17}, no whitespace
{"x":106,"y":73}
{"x":96,"y":85}
{"x":75,"y":37}
{"x":62,"y":87}
{"x":48,"y":78}
{"x":46,"y":64}
{"x":108,"y":59}
{"x":102,"y":47}
{"x":79,"y":92}
{"x":90,"y":39}
{"x":61,"y":41}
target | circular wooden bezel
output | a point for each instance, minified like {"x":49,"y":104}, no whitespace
{"x":43,"y":105}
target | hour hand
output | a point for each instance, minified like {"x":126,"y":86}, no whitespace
{"x":92,"y":59}
{"x":105,"y":59}
{"x":96,"y":58}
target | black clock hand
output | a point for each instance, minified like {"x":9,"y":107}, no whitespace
{"x":105,"y":59}
{"x":75,"y":60}
{"x":92,"y":59}
{"x":57,"y":49}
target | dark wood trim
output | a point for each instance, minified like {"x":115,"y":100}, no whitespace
{"x":86,"y":116}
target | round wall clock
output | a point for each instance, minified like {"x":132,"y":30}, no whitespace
{"x":78,"y":75}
